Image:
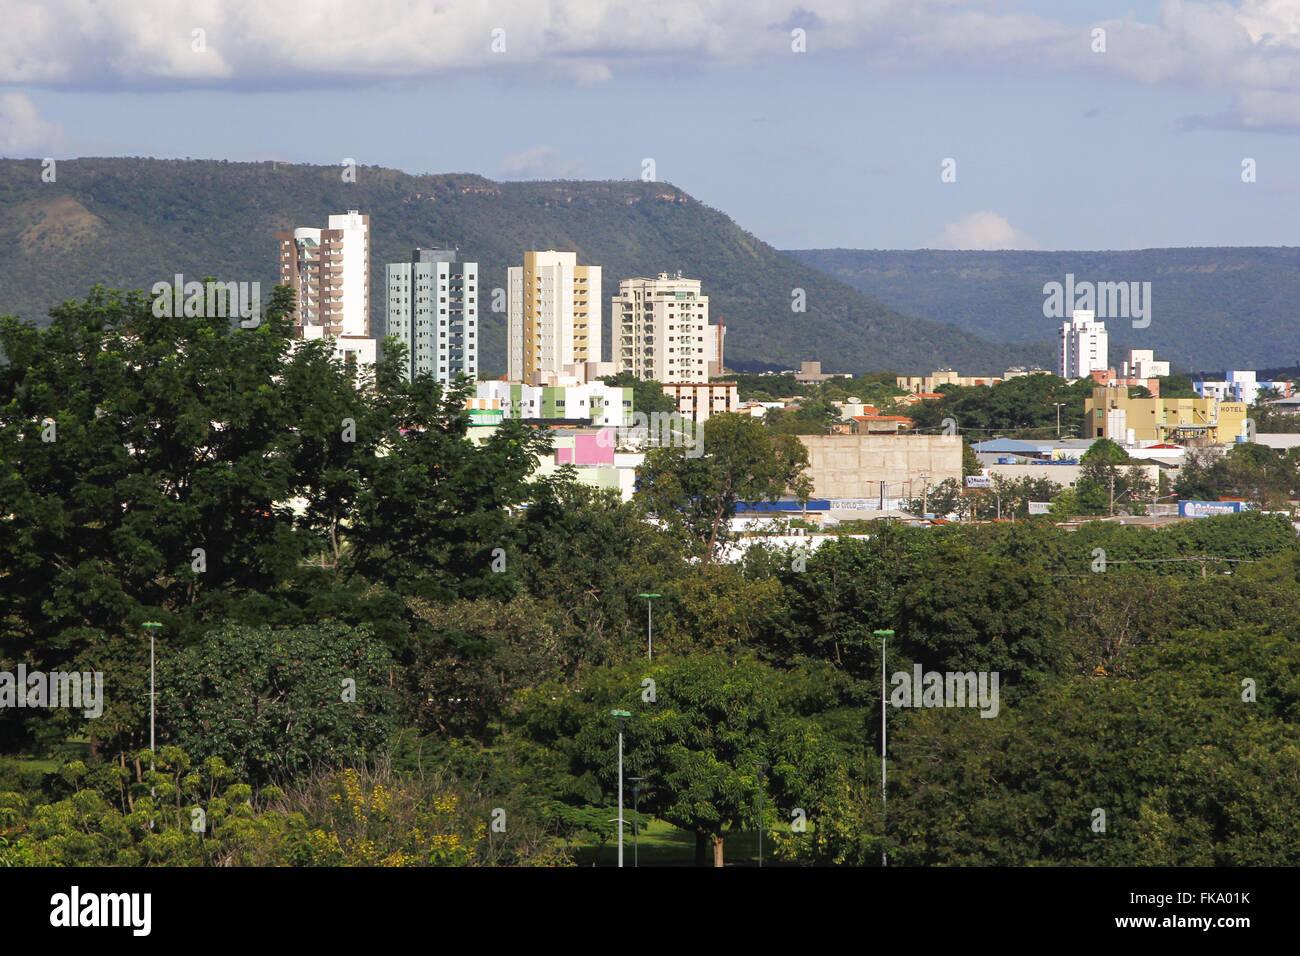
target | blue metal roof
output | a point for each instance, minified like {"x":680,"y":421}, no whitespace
{"x":997,"y":445}
{"x":784,"y":504}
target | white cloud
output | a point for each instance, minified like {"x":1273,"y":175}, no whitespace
{"x":538,"y":162}
{"x":149,"y":43}
{"x":980,"y":230}
{"x":1250,"y":49}
{"x":23,"y":132}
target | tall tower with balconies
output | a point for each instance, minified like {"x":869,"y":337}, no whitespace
{"x":329,"y":271}
{"x":554,"y":315}
{"x":663,"y":329}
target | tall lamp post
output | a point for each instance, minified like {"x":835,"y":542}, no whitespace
{"x":884,"y":636}
{"x":620,"y":715}
{"x":1059,"y":406}
{"x":762,"y":768}
{"x":636,"y":819}
{"x":649,"y":625}
{"x":151,"y":626}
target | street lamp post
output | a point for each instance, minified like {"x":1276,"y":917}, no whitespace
{"x":1058,"y":417}
{"x":925,"y":491}
{"x":151,"y":626}
{"x":761,"y":767}
{"x":620,"y":715}
{"x":884,"y":796}
{"x":649,"y":625}
{"x":636,"y":819}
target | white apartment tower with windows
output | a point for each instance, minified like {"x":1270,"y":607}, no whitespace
{"x":1083,"y":345}
{"x":329,"y":271}
{"x":663,"y":329}
{"x":433,"y":311}
{"x":554,"y":315}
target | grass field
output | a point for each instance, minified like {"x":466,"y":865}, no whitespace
{"x":662,"y":844}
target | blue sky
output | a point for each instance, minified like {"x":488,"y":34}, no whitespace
{"x":1057,"y":145}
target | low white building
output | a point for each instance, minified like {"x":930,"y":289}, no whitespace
{"x":1239,"y":385}
{"x":1141,"y":363}
{"x":594,"y":402}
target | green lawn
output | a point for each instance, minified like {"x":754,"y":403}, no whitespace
{"x":74,"y":748}
{"x":33,"y":763}
{"x":662,"y":844}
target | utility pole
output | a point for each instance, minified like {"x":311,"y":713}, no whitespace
{"x":925,"y":490}
{"x":884,"y":791}
{"x":151,"y":626}
{"x":621,"y":715}
{"x":649,"y":625}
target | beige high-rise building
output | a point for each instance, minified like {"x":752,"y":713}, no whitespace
{"x":663,"y":329}
{"x":554,"y":315}
{"x":329,"y":271}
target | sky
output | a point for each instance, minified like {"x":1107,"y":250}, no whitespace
{"x":883,"y":124}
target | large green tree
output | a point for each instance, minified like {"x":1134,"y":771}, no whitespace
{"x":277,"y":702}
{"x":740,"y":462}
{"x":147,"y":466}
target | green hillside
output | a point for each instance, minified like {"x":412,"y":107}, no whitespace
{"x":1212,"y":308}
{"x":128,"y":223}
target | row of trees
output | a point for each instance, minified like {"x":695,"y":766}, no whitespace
{"x":374,"y":590}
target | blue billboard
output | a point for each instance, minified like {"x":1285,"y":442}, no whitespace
{"x":1205,"y":509}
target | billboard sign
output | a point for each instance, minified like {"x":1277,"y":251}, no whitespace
{"x":1205,"y":509}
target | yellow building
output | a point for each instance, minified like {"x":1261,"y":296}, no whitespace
{"x":1110,"y":413}
{"x":928,"y":383}
{"x":553,"y":319}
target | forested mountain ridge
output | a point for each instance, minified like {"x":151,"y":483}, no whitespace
{"x":128,"y":222}
{"x":1212,"y":308}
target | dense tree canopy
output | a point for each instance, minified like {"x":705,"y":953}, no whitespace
{"x":408,"y":631}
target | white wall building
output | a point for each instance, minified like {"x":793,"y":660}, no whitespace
{"x":1141,"y":363}
{"x":662,"y":329}
{"x":1239,"y":385}
{"x":433,"y":311}
{"x":601,"y":404}
{"x":1083,"y":345}
{"x":329,"y":271}
{"x":696,"y":401}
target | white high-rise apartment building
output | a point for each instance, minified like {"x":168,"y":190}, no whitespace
{"x":663,"y":329}
{"x":329,"y":271}
{"x":433,"y":311}
{"x":554,"y":315}
{"x":1083,"y":345}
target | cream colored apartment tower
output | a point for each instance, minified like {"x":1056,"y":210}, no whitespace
{"x":554,"y":315}
{"x":663,"y":328}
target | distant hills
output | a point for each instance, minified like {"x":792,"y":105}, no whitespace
{"x":1213,"y":308}
{"x":127,"y":223}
